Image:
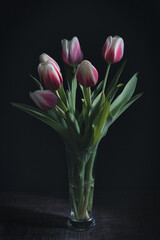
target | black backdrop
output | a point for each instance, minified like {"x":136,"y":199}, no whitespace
{"x":34,"y":156}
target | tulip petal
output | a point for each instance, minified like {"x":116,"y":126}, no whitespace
{"x":75,"y":52}
{"x":44,"y":99}
{"x":50,"y":75}
{"x":117,"y":48}
{"x":107,"y":46}
{"x":87,"y":74}
{"x":44,"y":58}
{"x":71,"y":51}
{"x":65,"y":52}
{"x":113,"y":49}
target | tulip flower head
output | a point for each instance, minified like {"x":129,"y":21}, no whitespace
{"x":49,"y":73}
{"x":86,"y":74}
{"x":44,"y":99}
{"x":113,"y":49}
{"x":71,"y":51}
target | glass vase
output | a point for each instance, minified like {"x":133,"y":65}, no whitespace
{"x":81,"y":188}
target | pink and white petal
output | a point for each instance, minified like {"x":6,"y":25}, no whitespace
{"x":92,"y":74}
{"x":39,"y":101}
{"x":59,"y":74}
{"x":55,"y":64}
{"x":107,"y":46}
{"x":117,"y":49}
{"x":44,"y":99}
{"x":34,"y":98}
{"x":39,"y":68}
{"x":120,"y":51}
{"x":95,"y":73}
{"x":52,"y":74}
{"x":65,"y":51}
{"x":81,"y":75}
{"x":50,"y":99}
{"x":75,"y":51}
{"x":87,"y":74}
{"x":40,"y":71}
{"x":44,"y":58}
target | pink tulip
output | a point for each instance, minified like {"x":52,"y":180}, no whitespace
{"x":71,"y":51}
{"x":113,"y":49}
{"x":86,"y":74}
{"x":44,"y":99}
{"x":49,"y":72}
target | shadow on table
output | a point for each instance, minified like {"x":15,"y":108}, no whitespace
{"x":31,"y":217}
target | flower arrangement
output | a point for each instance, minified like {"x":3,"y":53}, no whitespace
{"x":81,"y":130}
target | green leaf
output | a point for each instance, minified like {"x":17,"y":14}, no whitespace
{"x":87,"y":96}
{"x":106,"y":125}
{"x":73,"y":122}
{"x":72,"y":86}
{"x":44,"y":117}
{"x":115,"y":79}
{"x":97,"y":99}
{"x":39,"y":85}
{"x":113,"y":91}
{"x":124,"y":97}
{"x":61,"y":105}
{"x":80,"y":119}
{"x":84,"y":111}
{"x":96,"y":90}
{"x":96,"y":106}
{"x":69,"y":98}
{"x":100,"y":120}
{"x":56,"y":114}
{"x":87,"y":139}
{"x":62,"y":94}
{"x":132,"y":100}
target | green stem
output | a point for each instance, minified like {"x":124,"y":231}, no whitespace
{"x":74,"y":202}
{"x":90,"y":179}
{"x":74,"y":90}
{"x":88,"y":188}
{"x":81,"y":186}
{"x":62,"y":113}
{"x":106,"y":76}
{"x":84,"y":212}
{"x":82,"y":183}
{"x":87,"y":96}
{"x":72,"y":87}
{"x":60,"y":103}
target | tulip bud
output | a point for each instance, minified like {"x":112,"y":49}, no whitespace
{"x":50,"y":75}
{"x":71,"y":51}
{"x":44,"y":99}
{"x":86,"y":74}
{"x":113,"y":49}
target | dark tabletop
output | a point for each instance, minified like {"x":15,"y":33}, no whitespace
{"x":119,"y":215}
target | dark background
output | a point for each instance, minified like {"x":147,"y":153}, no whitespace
{"x":34,"y":156}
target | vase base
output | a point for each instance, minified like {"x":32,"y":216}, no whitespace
{"x":81,"y":225}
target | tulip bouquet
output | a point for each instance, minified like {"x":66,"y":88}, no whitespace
{"x":81,"y":129}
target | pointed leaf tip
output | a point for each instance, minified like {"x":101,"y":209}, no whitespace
{"x":39,"y":85}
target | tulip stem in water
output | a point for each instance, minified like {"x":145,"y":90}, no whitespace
{"x":106,"y":76}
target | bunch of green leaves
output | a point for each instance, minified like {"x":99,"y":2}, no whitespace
{"x":83,"y":129}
